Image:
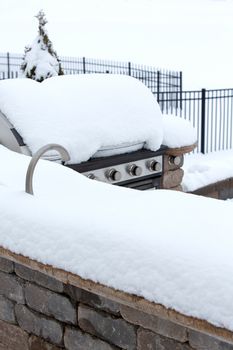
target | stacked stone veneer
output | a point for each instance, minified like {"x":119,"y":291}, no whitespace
{"x":172,"y":173}
{"x":173,"y":161}
{"x":41,"y":312}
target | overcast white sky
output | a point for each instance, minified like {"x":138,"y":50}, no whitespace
{"x":195,"y":36}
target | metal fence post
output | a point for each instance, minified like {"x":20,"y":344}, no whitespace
{"x":158,"y":85}
{"x":8,"y":65}
{"x":84,"y":65}
{"x":203,"y":124}
{"x":129,"y":67}
{"x":181,"y":88}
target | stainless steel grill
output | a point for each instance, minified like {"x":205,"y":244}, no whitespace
{"x":140,"y":169}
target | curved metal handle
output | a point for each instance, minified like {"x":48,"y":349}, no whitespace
{"x":51,"y":146}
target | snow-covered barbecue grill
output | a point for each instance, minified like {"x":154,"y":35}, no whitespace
{"x":110,"y":125}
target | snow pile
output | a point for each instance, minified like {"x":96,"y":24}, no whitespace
{"x":83,"y":113}
{"x":178,"y":132}
{"x":121,"y":237}
{"x":204,"y":169}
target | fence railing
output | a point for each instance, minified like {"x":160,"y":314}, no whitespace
{"x":157,"y":80}
{"x":210,"y":112}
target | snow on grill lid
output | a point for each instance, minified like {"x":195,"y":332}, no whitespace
{"x":84,"y":113}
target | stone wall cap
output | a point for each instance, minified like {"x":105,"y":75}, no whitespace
{"x":181,"y":150}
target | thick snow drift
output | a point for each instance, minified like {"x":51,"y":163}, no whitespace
{"x":82,"y":112}
{"x":169,"y":247}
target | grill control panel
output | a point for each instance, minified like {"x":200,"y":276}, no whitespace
{"x":128,"y":171}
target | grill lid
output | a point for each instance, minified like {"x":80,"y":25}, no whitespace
{"x":84,"y":113}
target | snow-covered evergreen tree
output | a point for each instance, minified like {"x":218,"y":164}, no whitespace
{"x":40,"y":60}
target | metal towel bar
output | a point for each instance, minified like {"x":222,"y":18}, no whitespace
{"x":52,"y":146}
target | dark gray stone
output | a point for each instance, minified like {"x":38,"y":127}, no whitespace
{"x":150,"y":341}
{"x":6,"y":265}
{"x":36,"y":343}
{"x":91,"y":299}
{"x":6,"y":310}
{"x":12,"y":337}
{"x":114,"y":330}
{"x":202,"y":341}
{"x":75,"y":339}
{"x":50,"y":303}
{"x":11,"y":287}
{"x":39,"y":278}
{"x":156,"y":324}
{"x":36,"y":324}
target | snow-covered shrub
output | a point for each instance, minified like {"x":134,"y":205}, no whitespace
{"x":40,"y":60}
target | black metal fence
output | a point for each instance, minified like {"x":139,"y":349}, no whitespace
{"x":156,"y":79}
{"x":210,"y":112}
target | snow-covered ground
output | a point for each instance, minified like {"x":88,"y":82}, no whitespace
{"x":148,"y":243}
{"x":193,"y":36}
{"x":201,"y":170}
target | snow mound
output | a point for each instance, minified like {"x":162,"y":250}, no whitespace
{"x":178,"y":132}
{"x":147,"y":243}
{"x":83,"y":113}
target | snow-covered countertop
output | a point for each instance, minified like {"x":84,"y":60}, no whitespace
{"x":168,"y":247}
{"x":201,"y":170}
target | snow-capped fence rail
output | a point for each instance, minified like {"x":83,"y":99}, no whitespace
{"x":210,"y":111}
{"x":156,"y":79}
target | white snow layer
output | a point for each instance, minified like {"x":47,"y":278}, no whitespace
{"x":82,"y":112}
{"x":86,"y":113}
{"x":168,"y":247}
{"x":204,"y":169}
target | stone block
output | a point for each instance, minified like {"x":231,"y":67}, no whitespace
{"x":177,"y":188}
{"x":172,"y":178}
{"x":36,"y":343}
{"x":39,"y":278}
{"x":6,"y":265}
{"x":11,"y":287}
{"x":150,"y":341}
{"x":12,"y":337}
{"x":38,"y":325}
{"x":91,"y":299}
{"x":50,"y":303}
{"x":156,"y":324}
{"x":202,"y":341}
{"x":6,"y":310}
{"x":114,"y":330}
{"x":75,"y":339}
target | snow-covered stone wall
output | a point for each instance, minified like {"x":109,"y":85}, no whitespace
{"x":42,"y":308}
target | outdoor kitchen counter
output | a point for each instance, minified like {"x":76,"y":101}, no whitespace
{"x":39,"y":304}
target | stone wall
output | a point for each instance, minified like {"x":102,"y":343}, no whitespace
{"x":38,"y":311}
{"x":219,"y":190}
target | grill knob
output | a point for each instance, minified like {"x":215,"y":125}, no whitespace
{"x":154,"y":166}
{"x":134,"y":170}
{"x":175,"y":160}
{"x":91,"y":176}
{"x":113,"y":175}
